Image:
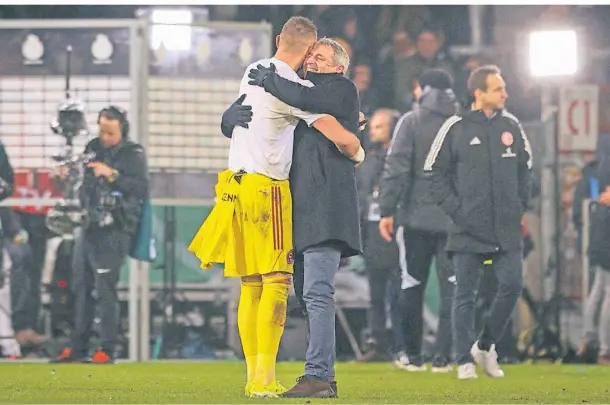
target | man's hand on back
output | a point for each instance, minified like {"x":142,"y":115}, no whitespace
{"x":259,"y":74}
{"x":238,"y":114}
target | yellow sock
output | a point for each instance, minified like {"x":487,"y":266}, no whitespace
{"x":271,"y":319}
{"x":247,"y":314}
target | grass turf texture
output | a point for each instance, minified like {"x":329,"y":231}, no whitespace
{"x":207,"y":383}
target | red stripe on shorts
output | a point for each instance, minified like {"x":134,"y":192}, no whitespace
{"x":281,"y":219}
{"x":274,"y":218}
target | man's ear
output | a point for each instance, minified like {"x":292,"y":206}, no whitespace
{"x":277,"y":41}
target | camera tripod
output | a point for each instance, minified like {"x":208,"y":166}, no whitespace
{"x":169,"y":298}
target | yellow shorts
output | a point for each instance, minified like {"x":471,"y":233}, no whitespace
{"x":259,"y":235}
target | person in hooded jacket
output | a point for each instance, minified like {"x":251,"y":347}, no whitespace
{"x":422,"y":226}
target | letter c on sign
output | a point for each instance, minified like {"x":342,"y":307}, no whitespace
{"x":575,"y":130}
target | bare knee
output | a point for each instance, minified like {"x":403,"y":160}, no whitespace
{"x":256,"y":278}
{"x":277,"y":277}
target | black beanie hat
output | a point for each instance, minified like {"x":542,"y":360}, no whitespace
{"x":436,"y":79}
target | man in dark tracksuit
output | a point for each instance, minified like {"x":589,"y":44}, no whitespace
{"x":113,"y":191}
{"x":480,"y":168}
{"x":425,"y":225}
{"x":326,"y":226}
{"x":381,"y":256}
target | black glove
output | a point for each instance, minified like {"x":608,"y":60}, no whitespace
{"x":238,"y":114}
{"x":259,"y":75}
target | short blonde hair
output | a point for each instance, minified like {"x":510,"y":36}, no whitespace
{"x":340,"y":55}
{"x":297,"y":33}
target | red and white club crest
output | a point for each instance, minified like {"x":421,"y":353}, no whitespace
{"x":507,"y":138}
{"x":290,"y":257}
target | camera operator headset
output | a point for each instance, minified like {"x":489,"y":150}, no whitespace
{"x":113,"y":192}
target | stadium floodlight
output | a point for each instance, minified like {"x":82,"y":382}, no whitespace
{"x":553,"y":53}
{"x":172,"y":29}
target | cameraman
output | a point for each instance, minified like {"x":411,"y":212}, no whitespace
{"x":114,"y":187}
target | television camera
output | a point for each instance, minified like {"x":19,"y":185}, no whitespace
{"x":68,"y":214}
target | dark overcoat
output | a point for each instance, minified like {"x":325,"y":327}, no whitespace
{"x":322,"y":179}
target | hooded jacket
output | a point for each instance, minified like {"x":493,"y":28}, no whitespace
{"x":403,"y":181}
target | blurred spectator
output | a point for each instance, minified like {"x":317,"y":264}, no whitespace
{"x":600,"y":254}
{"x":382,"y":262}
{"x":385,"y":25}
{"x":465,"y":67}
{"x":398,"y":51}
{"x":525,"y":99}
{"x":411,"y":18}
{"x":368,"y":95}
{"x":429,"y":55}
{"x":352,"y":34}
{"x":323,"y":16}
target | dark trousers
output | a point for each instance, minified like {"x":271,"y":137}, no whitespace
{"x":382,"y":266}
{"x":38,"y":235}
{"x":420,"y":248}
{"x":508,"y":267}
{"x":24,"y":310}
{"x":98,"y":257}
{"x":379,"y":280}
{"x":488,"y":288}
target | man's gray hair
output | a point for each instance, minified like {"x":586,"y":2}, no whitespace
{"x":340,"y":56}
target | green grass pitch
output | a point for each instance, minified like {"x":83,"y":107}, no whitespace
{"x":222,"y":382}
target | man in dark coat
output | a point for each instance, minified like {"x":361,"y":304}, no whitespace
{"x":480,"y":168}
{"x":423,"y":230}
{"x":326,"y":226}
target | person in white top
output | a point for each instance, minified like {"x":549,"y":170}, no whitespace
{"x":265,"y":147}
{"x":250,"y":227}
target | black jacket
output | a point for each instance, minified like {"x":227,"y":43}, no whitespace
{"x":404,"y":182}
{"x":322,"y":179}
{"x":7,"y":176}
{"x":378,"y":253}
{"x":129,"y":159}
{"x":481,"y":173}
{"x":8,"y":218}
{"x":368,"y":175}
